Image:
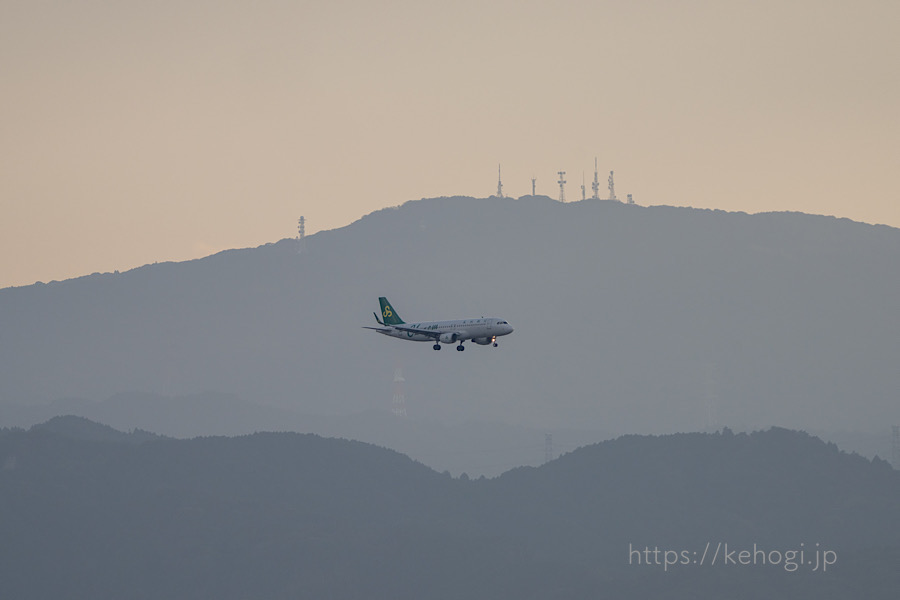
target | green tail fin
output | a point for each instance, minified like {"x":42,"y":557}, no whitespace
{"x":389,"y":315}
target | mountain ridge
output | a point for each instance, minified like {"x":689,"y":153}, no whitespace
{"x":286,"y":514}
{"x":674,"y":319}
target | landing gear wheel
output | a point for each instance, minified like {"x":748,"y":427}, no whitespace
{"x":460,"y":348}
{"x":437,"y":346}
{"x":495,"y":344}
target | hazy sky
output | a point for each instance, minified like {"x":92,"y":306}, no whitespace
{"x":134,"y":132}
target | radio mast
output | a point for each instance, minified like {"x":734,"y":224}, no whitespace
{"x":612,"y":187}
{"x":301,"y":234}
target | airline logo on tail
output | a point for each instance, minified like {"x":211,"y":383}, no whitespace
{"x":388,"y":314}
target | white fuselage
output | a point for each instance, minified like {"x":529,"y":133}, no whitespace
{"x":481,"y":331}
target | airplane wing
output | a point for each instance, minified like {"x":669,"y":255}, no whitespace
{"x":432,"y":334}
{"x":382,"y":329}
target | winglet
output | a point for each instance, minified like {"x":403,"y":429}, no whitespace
{"x":377,"y":320}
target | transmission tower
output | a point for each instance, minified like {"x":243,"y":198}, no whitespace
{"x":711,"y":398}
{"x":562,"y":186}
{"x":533,"y":180}
{"x":301,"y":234}
{"x":398,"y":405}
{"x":895,"y":446}
{"x":612,"y":187}
{"x":499,"y":183}
{"x":595,"y":186}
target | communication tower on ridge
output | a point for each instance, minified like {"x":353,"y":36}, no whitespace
{"x":612,"y":187}
{"x":533,"y":180}
{"x":499,"y":183}
{"x":562,"y":186}
{"x":596,"y":184}
{"x":301,"y":234}
{"x":548,"y":447}
{"x":583,"y":192}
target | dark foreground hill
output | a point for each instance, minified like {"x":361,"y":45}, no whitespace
{"x":628,"y":319}
{"x":298,"y":516}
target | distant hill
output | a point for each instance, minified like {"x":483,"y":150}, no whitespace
{"x":628,"y":319}
{"x":288,"y":515}
{"x":473,"y":447}
{"x":79,"y":428}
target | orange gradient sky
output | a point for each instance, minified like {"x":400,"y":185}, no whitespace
{"x":134,"y":132}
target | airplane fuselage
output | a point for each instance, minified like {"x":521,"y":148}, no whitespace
{"x":481,"y":331}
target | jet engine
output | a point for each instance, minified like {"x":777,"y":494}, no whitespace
{"x":448,"y":338}
{"x":483,"y":341}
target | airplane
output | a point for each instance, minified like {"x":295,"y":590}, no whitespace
{"x":482,"y":331}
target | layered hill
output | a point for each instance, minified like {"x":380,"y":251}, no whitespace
{"x":628,"y":319}
{"x":86,"y":512}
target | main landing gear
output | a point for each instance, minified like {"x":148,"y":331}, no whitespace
{"x":459,"y":348}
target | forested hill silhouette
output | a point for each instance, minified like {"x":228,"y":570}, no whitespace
{"x":628,"y":319}
{"x":291,"y":515}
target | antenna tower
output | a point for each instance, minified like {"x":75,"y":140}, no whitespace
{"x":711,"y":398}
{"x":548,"y":447}
{"x":895,"y":446}
{"x":398,"y":405}
{"x":612,"y":187}
{"x":301,"y":233}
{"x":562,"y":186}
{"x":533,"y":180}
{"x":499,"y":183}
{"x":582,"y":186}
{"x":596,"y":184}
